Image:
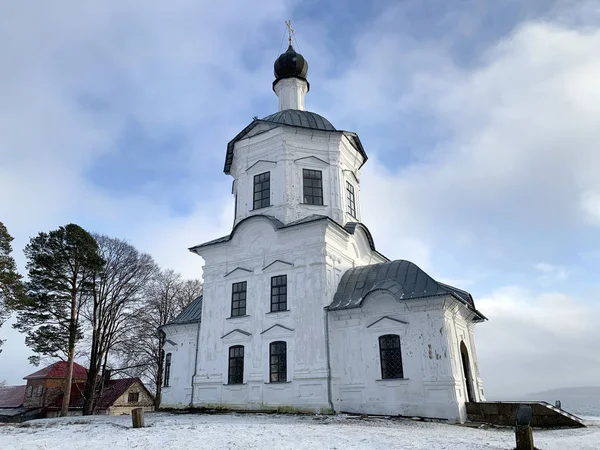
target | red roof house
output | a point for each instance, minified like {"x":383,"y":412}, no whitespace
{"x":42,"y":395}
{"x":58,"y":370}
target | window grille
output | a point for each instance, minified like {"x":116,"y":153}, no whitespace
{"x":391,"y":357}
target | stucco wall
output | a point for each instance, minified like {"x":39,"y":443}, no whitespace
{"x":430,"y":381}
{"x":285,"y":152}
{"x":181,"y":344}
{"x":255,"y":254}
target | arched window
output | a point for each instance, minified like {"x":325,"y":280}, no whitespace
{"x":167,"y":369}
{"x":236,"y":365}
{"x":29,"y":391}
{"x":39,"y":391}
{"x":391,"y":357}
{"x":278,"y":362}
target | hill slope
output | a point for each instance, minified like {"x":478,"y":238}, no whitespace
{"x":584,"y":401}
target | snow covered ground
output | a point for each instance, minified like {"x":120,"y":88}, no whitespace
{"x":273,"y":432}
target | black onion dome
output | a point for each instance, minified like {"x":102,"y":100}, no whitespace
{"x":290,"y":65}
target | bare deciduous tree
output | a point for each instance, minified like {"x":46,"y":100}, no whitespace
{"x":111,"y":309}
{"x":140,"y":350}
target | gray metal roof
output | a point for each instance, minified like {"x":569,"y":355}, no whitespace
{"x":192,"y":313}
{"x":403,"y":279}
{"x":293,"y":118}
{"x":350,"y":228}
{"x":298,"y":118}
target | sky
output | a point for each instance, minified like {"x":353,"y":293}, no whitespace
{"x":480,"y":120}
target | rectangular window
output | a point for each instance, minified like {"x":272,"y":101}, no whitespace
{"x":262,"y":190}
{"x":238,"y":299}
{"x":279,"y":293}
{"x":167,"y":370}
{"x":133,"y":397}
{"x":236,"y":365}
{"x":391,"y":357}
{"x":351,"y":199}
{"x":312,"y":186}
{"x":278,"y":362}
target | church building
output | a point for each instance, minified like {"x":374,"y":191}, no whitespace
{"x":300,"y":311}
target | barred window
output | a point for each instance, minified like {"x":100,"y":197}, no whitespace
{"x":351,"y":199}
{"x":279,"y":293}
{"x":278,"y":361}
{"x":133,"y":397}
{"x":312,"y":186}
{"x":236,"y":365}
{"x":262,"y":190}
{"x":238,"y":299}
{"x":167,"y":369}
{"x":391,"y":356}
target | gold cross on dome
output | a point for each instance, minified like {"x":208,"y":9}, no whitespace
{"x":288,"y":23}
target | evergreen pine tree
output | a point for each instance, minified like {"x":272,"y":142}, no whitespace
{"x":62,"y":266}
{"x":11,"y":286}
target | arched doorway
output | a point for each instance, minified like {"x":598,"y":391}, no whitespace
{"x":464,"y":354}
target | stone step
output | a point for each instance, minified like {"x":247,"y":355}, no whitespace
{"x":545,"y":415}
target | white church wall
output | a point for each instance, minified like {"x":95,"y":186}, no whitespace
{"x":285,"y":152}
{"x":255,"y":254}
{"x":181,"y":344}
{"x":459,"y":328}
{"x":428,"y":386}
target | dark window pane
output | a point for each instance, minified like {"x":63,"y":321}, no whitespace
{"x":236,"y":365}
{"x":278,"y":361}
{"x":312,"y":187}
{"x":391,"y":356}
{"x":279,"y":293}
{"x":238,"y":299}
{"x":167,"y":370}
{"x":262,"y":190}
{"x":351,"y":199}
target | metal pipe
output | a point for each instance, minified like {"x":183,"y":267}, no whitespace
{"x":328,"y":355}
{"x":195,"y":363}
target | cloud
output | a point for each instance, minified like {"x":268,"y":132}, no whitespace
{"x":504,"y":182}
{"x":513,"y":150}
{"x":536,"y":341}
{"x":85,"y":84}
{"x":550,"y":272}
{"x":116,"y":115}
